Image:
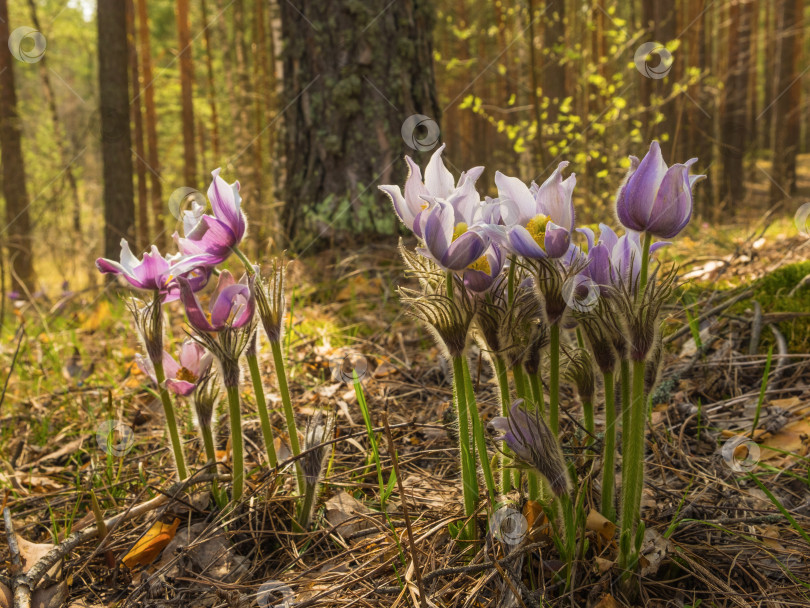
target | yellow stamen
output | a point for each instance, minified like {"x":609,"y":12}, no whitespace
{"x":537,"y":229}
{"x":460,"y":229}
{"x":186,"y":374}
{"x":481,"y":264}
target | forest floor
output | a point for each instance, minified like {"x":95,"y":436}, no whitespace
{"x":720,"y":531}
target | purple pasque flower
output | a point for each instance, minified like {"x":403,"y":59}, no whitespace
{"x":452,"y":246}
{"x":212,"y":238}
{"x":656,"y":198}
{"x":181,"y":378}
{"x":232,"y":304}
{"x":481,"y":274}
{"x":614,"y":260}
{"x":538,"y":222}
{"x":532,"y":441}
{"x":438,"y":184}
{"x":156,"y":272}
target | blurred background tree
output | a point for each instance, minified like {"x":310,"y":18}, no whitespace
{"x":304,"y":102}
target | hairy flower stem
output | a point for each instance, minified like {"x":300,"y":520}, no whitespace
{"x":236,"y":442}
{"x":554,"y":380}
{"x":211,"y":455}
{"x":261,"y":405}
{"x":510,"y":281}
{"x":609,"y":447}
{"x":536,"y":385}
{"x":289,"y":415}
{"x":469,"y":478}
{"x":243,"y":258}
{"x":503,"y":384}
{"x":305,"y":514}
{"x":478,"y":431}
{"x":171,"y":420}
{"x":624,"y":380}
{"x":633,"y":459}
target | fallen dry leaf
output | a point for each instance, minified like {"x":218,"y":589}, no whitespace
{"x":344,"y":507}
{"x":151,"y":544}
{"x":597,"y":522}
{"x":770,"y":538}
{"x":788,"y":438}
{"x":606,"y":601}
{"x":603,"y":565}
{"x":31,"y":553}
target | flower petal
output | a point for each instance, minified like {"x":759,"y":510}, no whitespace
{"x":522,"y":243}
{"x":194,"y":312}
{"x":465,"y":250}
{"x":226,"y":204}
{"x":557,"y":240}
{"x":512,"y":192}
{"x":438,"y":180}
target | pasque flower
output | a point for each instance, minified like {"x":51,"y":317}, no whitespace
{"x":232,"y":304}
{"x":452,"y":245}
{"x":614,"y":260}
{"x":530,"y":438}
{"x":181,"y":378}
{"x":481,"y":274}
{"x":156,"y":272}
{"x":438,"y":184}
{"x":537,"y":222}
{"x":212,"y":238}
{"x":656,"y":198}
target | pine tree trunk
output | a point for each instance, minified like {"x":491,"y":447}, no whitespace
{"x":786,"y":103}
{"x":142,"y":204}
{"x":17,"y":230}
{"x":152,"y":158}
{"x":209,"y":72}
{"x":119,"y":206}
{"x":186,"y":94}
{"x":554,"y":72}
{"x":353,"y":73}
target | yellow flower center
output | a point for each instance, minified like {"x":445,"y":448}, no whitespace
{"x":460,"y":229}
{"x":537,"y":229}
{"x":186,"y":374}
{"x":481,"y":264}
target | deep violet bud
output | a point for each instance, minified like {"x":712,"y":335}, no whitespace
{"x":654,"y":197}
{"x":530,"y":438}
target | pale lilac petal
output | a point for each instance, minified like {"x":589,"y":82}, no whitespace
{"x":438,"y":180}
{"x":589,"y":236}
{"x":438,"y":231}
{"x":672,"y":208}
{"x":465,"y":250}
{"x":190,"y":354}
{"x":145,"y":365}
{"x":554,"y":197}
{"x":608,"y":236}
{"x":400,"y":207}
{"x":170,"y":366}
{"x":598,"y":268}
{"x":641,"y":186}
{"x":180,"y":387}
{"x":226,"y":204}
{"x":194,"y":312}
{"x":513,"y":190}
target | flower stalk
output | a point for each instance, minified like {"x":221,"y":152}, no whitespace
{"x":261,"y":402}
{"x":609,"y":449}
{"x":237,"y":445}
{"x":289,"y":414}
{"x":478,"y":430}
{"x":554,"y":379}
{"x":171,"y":420}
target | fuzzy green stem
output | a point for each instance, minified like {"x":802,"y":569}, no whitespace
{"x":520,"y":381}
{"x":590,"y":425}
{"x":289,"y":415}
{"x":510,"y":281}
{"x":211,"y":456}
{"x":171,"y":420}
{"x":306,"y":506}
{"x":536,"y":384}
{"x":261,"y":405}
{"x":645,"y":264}
{"x":469,"y":478}
{"x":624,"y":380}
{"x":554,"y":380}
{"x":248,"y":266}
{"x":478,"y":431}
{"x":633,"y":461}
{"x":609,"y":448}
{"x":503,"y":384}
{"x":236,"y":442}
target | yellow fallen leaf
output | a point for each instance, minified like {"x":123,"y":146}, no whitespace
{"x":788,"y":438}
{"x":97,"y":317}
{"x":151,"y":544}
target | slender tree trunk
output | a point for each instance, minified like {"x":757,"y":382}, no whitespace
{"x":187,"y":94}
{"x":209,"y":70}
{"x":659,"y":19}
{"x":245,"y":143}
{"x":59,"y":134}
{"x":734,"y":123}
{"x":142,"y":204}
{"x":786,"y":103}
{"x":152,"y":159}
{"x":260,"y":106}
{"x":342,"y":136}
{"x":541,"y":158}
{"x":554,"y":71}
{"x":119,"y":207}
{"x":17,"y":230}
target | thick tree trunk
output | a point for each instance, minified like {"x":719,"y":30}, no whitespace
{"x":17,"y":231}
{"x":187,"y":94}
{"x":152,"y":158}
{"x":786,"y":103}
{"x":353,"y":73}
{"x":119,"y":206}
{"x":142,"y":204}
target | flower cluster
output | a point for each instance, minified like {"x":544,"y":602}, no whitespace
{"x":515,"y":274}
